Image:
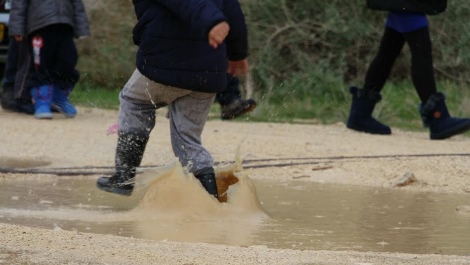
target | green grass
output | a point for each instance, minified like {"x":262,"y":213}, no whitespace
{"x":305,"y":104}
{"x":324,"y":100}
{"x":91,"y":96}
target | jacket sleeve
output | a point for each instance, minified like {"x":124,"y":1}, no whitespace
{"x":18,"y":13}
{"x":81,"y":25}
{"x":237,"y":39}
{"x":199,"y":14}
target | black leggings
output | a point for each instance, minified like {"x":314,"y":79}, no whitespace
{"x":422,"y":71}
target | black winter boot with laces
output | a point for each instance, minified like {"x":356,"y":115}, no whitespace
{"x":129,"y":152}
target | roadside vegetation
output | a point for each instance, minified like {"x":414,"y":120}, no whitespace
{"x":304,"y":56}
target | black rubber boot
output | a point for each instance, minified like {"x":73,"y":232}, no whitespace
{"x":207,"y":178}
{"x":436,"y":116}
{"x":129,"y":152}
{"x":360,"y":116}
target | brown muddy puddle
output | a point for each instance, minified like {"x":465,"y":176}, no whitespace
{"x":291,"y":214}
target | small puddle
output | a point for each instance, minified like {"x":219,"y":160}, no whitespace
{"x":18,"y":163}
{"x":307,"y":216}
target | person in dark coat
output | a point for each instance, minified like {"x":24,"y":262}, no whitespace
{"x":186,"y":48}
{"x":49,"y":27}
{"x":400,"y":28}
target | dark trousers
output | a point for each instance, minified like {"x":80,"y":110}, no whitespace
{"x":422,"y":71}
{"x":231,"y":93}
{"x":53,"y":57}
{"x":16,"y":69}
{"x":12,"y":64}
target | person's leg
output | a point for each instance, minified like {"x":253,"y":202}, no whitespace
{"x":12,"y":64}
{"x":139,"y":99}
{"x":43,"y":47}
{"x":433,"y":108}
{"x":231,"y":93}
{"x":8,"y":96}
{"x":188,"y":117}
{"x":65,"y":75}
{"x":379,"y":70}
{"x":231,"y":102}
{"x":422,"y":70}
{"x":24,"y":102}
{"x":364,"y":100}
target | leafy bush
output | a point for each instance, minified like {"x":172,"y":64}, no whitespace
{"x":304,"y":53}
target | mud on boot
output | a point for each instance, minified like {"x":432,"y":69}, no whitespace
{"x":360,"y":115}
{"x":435,"y":115}
{"x":129,"y":153}
{"x":207,"y":178}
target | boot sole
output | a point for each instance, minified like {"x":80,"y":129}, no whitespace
{"x":359,"y":129}
{"x":43,"y":116}
{"x":240,"y":113}
{"x":463,"y":127}
{"x":59,"y":109}
{"x":115,"y":190}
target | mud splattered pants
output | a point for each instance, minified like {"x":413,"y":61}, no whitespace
{"x":188,"y":111}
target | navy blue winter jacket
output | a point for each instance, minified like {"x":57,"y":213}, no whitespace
{"x":172,"y":36}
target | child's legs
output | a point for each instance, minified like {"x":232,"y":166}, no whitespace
{"x":66,"y":76}
{"x":139,"y":99}
{"x":231,"y":92}
{"x":422,"y":71}
{"x":188,"y":117}
{"x":43,"y":46}
{"x":54,"y":57}
{"x":379,"y":70}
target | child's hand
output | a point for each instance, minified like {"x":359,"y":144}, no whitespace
{"x":236,"y":68}
{"x":218,"y":33}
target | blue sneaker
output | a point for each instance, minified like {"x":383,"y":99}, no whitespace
{"x":61,"y":103}
{"x":42,"y":97}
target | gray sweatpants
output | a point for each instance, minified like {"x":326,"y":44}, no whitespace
{"x":188,"y":111}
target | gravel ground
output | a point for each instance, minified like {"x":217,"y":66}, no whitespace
{"x":83,"y":141}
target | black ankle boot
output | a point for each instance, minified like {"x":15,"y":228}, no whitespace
{"x":360,"y":116}
{"x":237,"y":108}
{"x":436,"y":116}
{"x":129,"y":152}
{"x":207,"y":178}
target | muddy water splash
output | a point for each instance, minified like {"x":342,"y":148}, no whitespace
{"x":175,"y":205}
{"x":171,"y":190}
